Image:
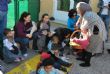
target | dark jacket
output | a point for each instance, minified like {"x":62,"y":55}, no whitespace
{"x":62,"y":32}
{"x":20,"y":30}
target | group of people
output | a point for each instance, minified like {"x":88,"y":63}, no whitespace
{"x":93,"y":31}
{"x":85,"y":35}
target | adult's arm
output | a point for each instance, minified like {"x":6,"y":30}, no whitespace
{"x":79,"y":21}
{"x":73,"y":34}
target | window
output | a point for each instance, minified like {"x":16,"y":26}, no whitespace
{"x":63,"y":5}
{"x":76,"y":1}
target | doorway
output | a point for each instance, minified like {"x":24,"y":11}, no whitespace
{"x":61,"y":8}
{"x":17,"y":7}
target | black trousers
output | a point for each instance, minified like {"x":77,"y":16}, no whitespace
{"x":1,"y":48}
{"x":86,"y":56}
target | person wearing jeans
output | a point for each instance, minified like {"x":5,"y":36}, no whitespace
{"x":21,"y":35}
{"x":3,"y":22}
{"x":104,"y":13}
{"x":23,"y":45}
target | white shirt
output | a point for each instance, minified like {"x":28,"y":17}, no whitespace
{"x":9,"y":44}
{"x":1,"y":72}
{"x":105,"y":9}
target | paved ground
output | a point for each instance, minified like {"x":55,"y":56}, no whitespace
{"x":99,"y":64}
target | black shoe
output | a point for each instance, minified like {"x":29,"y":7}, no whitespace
{"x":85,"y":64}
{"x":63,"y":69}
{"x":108,"y":51}
{"x":68,"y":65}
{"x":80,"y":59}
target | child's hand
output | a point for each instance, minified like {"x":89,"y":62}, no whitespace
{"x":56,"y":52}
{"x":49,"y":34}
{"x":71,"y":39}
{"x":44,"y":32}
{"x":29,"y":35}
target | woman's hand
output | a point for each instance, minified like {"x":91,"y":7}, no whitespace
{"x":29,"y":35}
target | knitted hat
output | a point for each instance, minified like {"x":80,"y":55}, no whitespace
{"x":45,"y":55}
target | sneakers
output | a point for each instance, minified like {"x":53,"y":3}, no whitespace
{"x":68,"y":65}
{"x":17,"y":60}
{"x":25,"y":55}
{"x":108,"y":51}
{"x":1,"y":72}
{"x":65,"y":59}
{"x":21,"y":58}
{"x":63,"y":69}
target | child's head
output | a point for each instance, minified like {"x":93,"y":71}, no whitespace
{"x":45,"y":18}
{"x":8,"y":32}
{"x":56,"y":48}
{"x":55,"y":39}
{"x":72,"y":13}
{"x":48,"y":64}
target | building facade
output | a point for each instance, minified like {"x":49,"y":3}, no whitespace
{"x":59,"y":8}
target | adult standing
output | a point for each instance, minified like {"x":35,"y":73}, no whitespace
{"x":3,"y":15}
{"x":96,"y":29}
{"x":104,"y":13}
{"x":3,"y":21}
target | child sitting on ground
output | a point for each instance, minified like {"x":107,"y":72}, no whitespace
{"x":10,"y":47}
{"x":47,"y":67}
{"x":55,"y":41}
{"x":59,"y":63}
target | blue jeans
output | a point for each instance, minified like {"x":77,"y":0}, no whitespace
{"x":8,"y":55}
{"x":3,"y":22}
{"x":105,"y":18}
{"x":23,"y":44}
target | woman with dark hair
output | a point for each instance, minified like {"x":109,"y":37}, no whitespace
{"x":73,"y":17}
{"x":41,"y":36}
{"x":22,"y":34}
